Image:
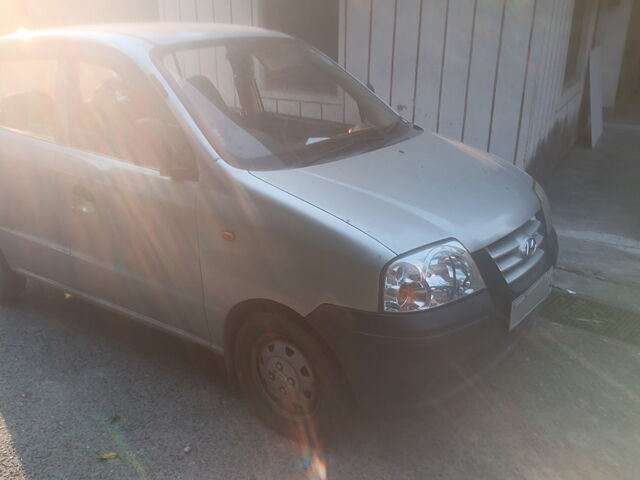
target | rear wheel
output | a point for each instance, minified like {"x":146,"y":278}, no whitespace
{"x":292,"y":384}
{"x":11,"y":284}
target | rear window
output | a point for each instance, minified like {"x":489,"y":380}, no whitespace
{"x":27,"y":93}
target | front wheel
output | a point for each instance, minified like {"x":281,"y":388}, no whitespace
{"x":11,"y":284}
{"x":292,"y":384}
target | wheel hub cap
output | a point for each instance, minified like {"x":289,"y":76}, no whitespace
{"x":287,"y":376}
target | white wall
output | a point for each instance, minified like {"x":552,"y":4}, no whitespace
{"x":221,"y":11}
{"x":489,"y":73}
{"x":39,"y":14}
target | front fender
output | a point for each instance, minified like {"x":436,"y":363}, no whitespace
{"x":284,"y":250}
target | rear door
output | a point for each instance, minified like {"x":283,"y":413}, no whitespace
{"x":133,"y":231}
{"x":33,"y":205}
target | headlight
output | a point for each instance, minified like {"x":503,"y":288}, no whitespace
{"x":544,"y":202}
{"x":430,"y":277}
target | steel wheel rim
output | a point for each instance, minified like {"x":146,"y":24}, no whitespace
{"x":287,"y":378}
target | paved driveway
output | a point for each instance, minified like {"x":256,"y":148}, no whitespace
{"x":77,"y":382}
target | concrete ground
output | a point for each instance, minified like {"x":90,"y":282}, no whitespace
{"x":77,"y":382}
{"x":595,"y":196}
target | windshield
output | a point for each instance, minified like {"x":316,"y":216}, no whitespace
{"x":273,"y":103}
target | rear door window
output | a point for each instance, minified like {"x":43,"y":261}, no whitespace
{"x":27,"y":96}
{"x":109,"y":100}
{"x":100,"y":120}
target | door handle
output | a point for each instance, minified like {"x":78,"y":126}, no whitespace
{"x":83,"y":200}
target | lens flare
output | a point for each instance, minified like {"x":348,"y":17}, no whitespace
{"x":23,"y":34}
{"x":317,"y":469}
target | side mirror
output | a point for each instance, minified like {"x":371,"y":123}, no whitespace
{"x":156,"y":149}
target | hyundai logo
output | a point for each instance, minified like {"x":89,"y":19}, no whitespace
{"x":529,"y":247}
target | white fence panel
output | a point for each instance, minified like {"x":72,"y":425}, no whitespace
{"x":358,"y":16}
{"x":242,"y":12}
{"x":381,"y":54}
{"x":456,"y":67}
{"x":431,"y":52}
{"x":405,"y":57}
{"x":222,"y":11}
{"x":535,"y":76}
{"x":518,"y":23}
{"x":482,"y":75}
{"x":170,"y":10}
{"x":204,"y":9}
{"x":188,"y":11}
{"x":544,"y":80}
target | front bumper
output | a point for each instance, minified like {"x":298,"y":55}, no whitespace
{"x":408,"y":360}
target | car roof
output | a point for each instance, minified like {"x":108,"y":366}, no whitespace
{"x":153,"y":34}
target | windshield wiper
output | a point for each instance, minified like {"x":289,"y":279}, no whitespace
{"x":340,"y":145}
{"x":347,"y":142}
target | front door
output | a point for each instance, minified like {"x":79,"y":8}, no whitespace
{"x":133,"y":235}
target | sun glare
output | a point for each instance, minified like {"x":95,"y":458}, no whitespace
{"x":12,"y":460}
{"x":23,"y":34}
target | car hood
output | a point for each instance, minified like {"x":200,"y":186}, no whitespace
{"x":417,"y":192}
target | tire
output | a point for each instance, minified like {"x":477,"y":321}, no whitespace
{"x":292,"y":385}
{"x":11,"y":284}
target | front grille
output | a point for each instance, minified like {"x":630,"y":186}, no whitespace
{"x":509,"y":252}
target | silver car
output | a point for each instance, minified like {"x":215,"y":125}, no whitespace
{"x":235,"y":187}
